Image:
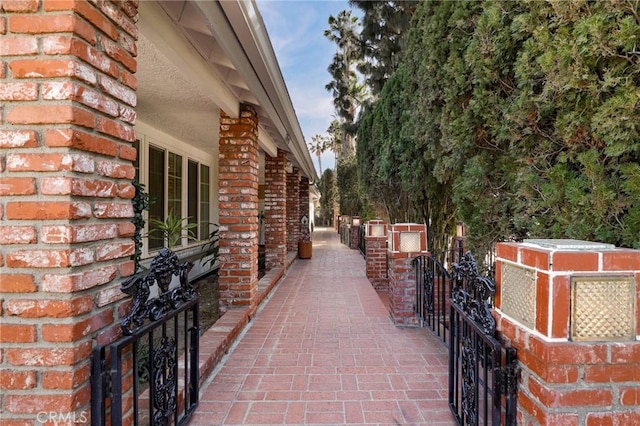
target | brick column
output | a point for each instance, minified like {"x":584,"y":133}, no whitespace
{"x":376,"y":256}
{"x":275,"y":210}
{"x":405,"y":242}
{"x":354,"y":233}
{"x":303,"y":199}
{"x":66,"y":133}
{"x":570,"y":308}
{"x":293,"y":209}
{"x":238,"y":206}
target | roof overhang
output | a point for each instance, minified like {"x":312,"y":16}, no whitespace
{"x":223,"y":50}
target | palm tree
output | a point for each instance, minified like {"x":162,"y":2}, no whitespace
{"x":344,"y":32}
{"x":317,"y":147}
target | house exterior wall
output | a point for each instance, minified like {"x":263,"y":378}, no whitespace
{"x":67,"y":113}
{"x":68,"y":96}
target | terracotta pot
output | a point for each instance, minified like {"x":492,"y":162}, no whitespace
{"x":305,"y":248}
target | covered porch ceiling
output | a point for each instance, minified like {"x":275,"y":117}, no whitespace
{"x":196,"y":57}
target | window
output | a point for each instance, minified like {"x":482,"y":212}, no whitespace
{"x":156,"y":193}
{"x":177,"y":184}
{"x":174,"y":189}
{"x":205,"y":203}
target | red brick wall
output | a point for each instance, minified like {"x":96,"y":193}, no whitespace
{"x":275,"y":210}
{"x":293,"y":209}
{"x":238,"y":208}
{"x":562,"y":381}
{"x":67,"y":101}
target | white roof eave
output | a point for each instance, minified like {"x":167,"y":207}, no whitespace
{"x":268,"y":83}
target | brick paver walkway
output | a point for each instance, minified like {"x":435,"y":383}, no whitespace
{"x":324,"y":351}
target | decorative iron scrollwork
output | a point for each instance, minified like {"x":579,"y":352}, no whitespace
{"x":164,"y":394}
{"x":163,"y":267}
{"x":473,"y":293}
{"x":428,"y":286}
{"x":469,"y":374}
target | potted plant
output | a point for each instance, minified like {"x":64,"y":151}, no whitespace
{"x":305,"y":247}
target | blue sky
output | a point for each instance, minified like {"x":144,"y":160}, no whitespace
{"x":296,"y":29}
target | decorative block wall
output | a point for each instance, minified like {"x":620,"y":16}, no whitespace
{"x":275,"y":210}
{"x":67,"y":101}
{"x":570,"y":308}
{"x":376,"y":256}
{"x":405,"y":242}
{"x":238,"y":206}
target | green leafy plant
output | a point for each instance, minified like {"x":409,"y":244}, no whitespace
{"x":210,"y":249}
{"x":172,"y":229}
{"x":140,"y":204}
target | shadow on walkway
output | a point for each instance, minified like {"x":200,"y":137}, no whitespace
{"x":323,"y":350}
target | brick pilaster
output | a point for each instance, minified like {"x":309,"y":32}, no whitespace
{"x":66,"y":133}
{"x":238,"y":208}
{"x":567,"y":377}
{"x":275,"y":210}
{"x":376,"y":254}
{"x":402,"y":275}
{"x":293,"y":209}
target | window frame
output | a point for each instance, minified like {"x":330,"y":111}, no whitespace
{"x":187,"y":154}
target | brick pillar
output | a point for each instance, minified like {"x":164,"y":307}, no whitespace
{"x":570,"y":308}
{"x":275,"y":210}
{"x":406,"y":241}
{"x":354,"y":233}
{"x":66,"y":133}
{"x":376,"y":255}
{"x":238,"y":208}
{"x":293,"y":209}
{"x":303,"y":199}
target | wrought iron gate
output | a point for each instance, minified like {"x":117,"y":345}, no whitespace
{"x":433,"y":288}
{"x":482,"y":374}
{"x":150,"y":376}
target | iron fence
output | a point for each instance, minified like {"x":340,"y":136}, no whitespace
{"x":482,"y":372}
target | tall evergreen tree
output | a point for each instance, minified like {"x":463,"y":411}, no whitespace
{"x":384,"y":24}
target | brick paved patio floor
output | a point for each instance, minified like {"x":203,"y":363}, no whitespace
{"x":323,"y":350}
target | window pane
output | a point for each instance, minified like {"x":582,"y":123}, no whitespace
{"x":192,"y":196}
{"x":174,"y":186}
{"x":204,"y":202}
{"x":156,"y":193}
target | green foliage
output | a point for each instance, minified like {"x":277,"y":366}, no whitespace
{"x":329,"y":196}
{"x":211,"y":249}
{"x":520,"y":118}
{"x":384,"y":25}
{"x":172,"y":228}
{"x":351,"y":199}
{"x":140,"y":203}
